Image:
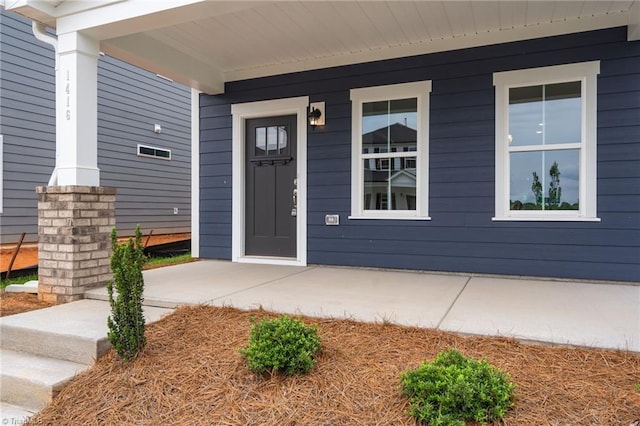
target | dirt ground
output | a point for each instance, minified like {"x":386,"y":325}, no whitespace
{"x":28,"y":254}
{"x":16,"y":303}
{"x":191,"y":373}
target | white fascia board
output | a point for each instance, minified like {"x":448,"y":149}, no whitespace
{"x":62,"y":9}
{"x":150,"y":54}
{"x":134,"y":16}
{"x":67,"y":7}
{"x":21,"y":8}
{"x":463,"y":42}
{"x":119,"y":12}
{"x":46,"y":12}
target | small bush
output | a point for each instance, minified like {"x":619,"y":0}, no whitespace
{"x":283,"y":345}
{"x":454,"y":389}
{"x":126,"y":323}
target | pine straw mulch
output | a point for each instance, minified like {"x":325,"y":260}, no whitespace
{"x":17,"y":303}
{"x":191,"y":373}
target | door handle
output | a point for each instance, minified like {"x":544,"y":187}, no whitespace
{"x":294,"y":210}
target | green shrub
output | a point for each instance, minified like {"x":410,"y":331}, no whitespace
{"x":281,"y":345}
{"x":126,"y":323}
{"x":454,"y":389}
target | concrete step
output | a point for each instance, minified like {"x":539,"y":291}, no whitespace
{"x":75,"y":331}
{"x":28,"y":287}
{"x":13,"y":415}
{"x":31,"y":381}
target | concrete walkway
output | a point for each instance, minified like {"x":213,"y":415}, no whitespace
{"x":577,"y":313}
{"x":42,"y":350}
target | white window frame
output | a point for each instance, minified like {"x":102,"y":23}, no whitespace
{"x":586,"y":73}
{"x":421,"y":91}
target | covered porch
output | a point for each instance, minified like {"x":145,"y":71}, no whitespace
{"x":208,"y":44}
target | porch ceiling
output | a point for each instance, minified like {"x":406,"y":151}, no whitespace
{"x":204,"y":44}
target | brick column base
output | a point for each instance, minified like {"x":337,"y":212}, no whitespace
{"x":74,"y":246}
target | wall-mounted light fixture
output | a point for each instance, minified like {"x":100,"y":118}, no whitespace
{"x":316,"y":114}
{"x":157,"y":128}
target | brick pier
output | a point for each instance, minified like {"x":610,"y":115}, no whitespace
{"x":74,"y":246}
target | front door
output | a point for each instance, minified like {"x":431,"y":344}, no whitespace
{"x":271,"y":193}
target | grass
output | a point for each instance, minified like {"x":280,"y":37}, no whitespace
{"x":170,"y":260}
{"x":18,"y":280}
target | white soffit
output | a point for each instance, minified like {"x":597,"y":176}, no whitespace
{"x":279,"y":37}
{"x":205,"y":43}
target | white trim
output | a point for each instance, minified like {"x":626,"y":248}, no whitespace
{"x":554,"y":147}
{"x":268,"y":260}
{"x":420,"y":90}
{"x":240,"y":113}
{"x":195,"y":173}
{"x":546,"y":219}
{"x":586,"y":73}
{"x":546,"y":75}
{"x":633,"y":28}
{"x":391,"y":217}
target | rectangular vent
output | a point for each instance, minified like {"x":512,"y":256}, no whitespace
{"x":150,"y":151}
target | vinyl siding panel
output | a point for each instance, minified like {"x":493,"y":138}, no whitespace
{"x":130,"y":102}
{"x":461,"y":237}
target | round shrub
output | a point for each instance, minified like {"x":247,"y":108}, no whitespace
{"x":283,"y":345}
{"x":454,"y":389}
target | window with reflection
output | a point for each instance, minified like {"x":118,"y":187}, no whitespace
{"x":389,"y":141}
{"x":546,"y":142}
{"x":271,"y":141}
{"x":545,"y":134}
{"x":390,"y":144}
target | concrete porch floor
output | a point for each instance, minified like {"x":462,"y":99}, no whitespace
{"x":565,"y":312}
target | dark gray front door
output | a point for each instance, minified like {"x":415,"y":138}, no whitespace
{"x":271,"y":187}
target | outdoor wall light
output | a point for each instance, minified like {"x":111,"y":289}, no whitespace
{"x":316,"y":114}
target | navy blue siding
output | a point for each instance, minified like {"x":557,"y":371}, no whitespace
{"x":130,"y":102}
{"x":461,"y":237}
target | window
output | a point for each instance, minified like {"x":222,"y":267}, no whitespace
{"x":271,"y":142}
{"x":390,"y":147}
{"x":149,"y":151}
{"x":546,"y":143}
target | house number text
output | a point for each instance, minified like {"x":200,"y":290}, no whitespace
{"x":67,"y":90}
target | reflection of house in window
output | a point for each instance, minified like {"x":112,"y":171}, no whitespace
{"x":390,"y":181}
{"x":270,"y":141}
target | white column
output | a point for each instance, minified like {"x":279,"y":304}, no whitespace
{"x":195,"y":173}
{"x":77,"y":110}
